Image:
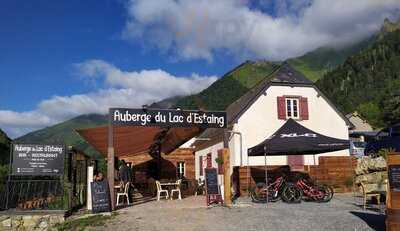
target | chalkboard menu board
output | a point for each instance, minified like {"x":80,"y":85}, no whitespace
{"x":394,"y":177}
{"x":211,"y":181}
{"x":100,"y":197}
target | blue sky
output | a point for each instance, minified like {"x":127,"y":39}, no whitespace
{"x":40,"y":40}
{"x":59,"y":59}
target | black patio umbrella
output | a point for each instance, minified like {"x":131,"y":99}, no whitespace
{"x":295,"y":139}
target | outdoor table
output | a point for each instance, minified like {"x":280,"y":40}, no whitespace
{"x":169,"y":185}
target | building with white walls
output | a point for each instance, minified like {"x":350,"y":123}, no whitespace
{"x":256,"y":115}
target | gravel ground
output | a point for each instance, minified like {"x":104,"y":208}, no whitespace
{"x":342,"y":213}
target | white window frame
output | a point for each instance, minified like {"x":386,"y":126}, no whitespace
{"x":290,"y":114}
{"x":181,"y":165}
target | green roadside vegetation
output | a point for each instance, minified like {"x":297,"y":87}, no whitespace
{"x":80,"y":224}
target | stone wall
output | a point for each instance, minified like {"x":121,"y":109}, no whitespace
{"x":34,"y":222}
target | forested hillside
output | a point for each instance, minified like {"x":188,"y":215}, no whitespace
{"x":315,"y":64}
{"x":5,"y":144}
{"x":4,"y":148}
{"x":369,"y":82}
{"x":229,"y":87}
{"x":64,"y":133}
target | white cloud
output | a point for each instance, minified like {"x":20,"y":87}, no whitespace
{"x":195,"y":29}
{"x":123,"y":89}
{"x":148,"y":81}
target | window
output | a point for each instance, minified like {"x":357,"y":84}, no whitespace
{"x":295,"y":107}
{"x":209,"y":163}
{"x":292,"y":108}
{"x":180,"y":169}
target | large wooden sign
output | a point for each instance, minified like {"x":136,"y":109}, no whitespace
{"x":167,"y":118}
{"x":38,"y":159}
{"x":212,"y":187}
{"x":100,"y":196}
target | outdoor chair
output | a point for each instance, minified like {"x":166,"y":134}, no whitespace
{"x":124,"y":193}
{"x":371,"y":194}
{"x":199,"y":187}
{"x":177,"y":189}
{"x":160,"y":191}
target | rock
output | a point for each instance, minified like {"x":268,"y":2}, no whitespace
{"x":371,"y":178}
{"x":29,"y":222}
{"x":6,"y":223}
{"x":17,"y":223}
{"x":367,"y":164}
{"x":56,"y":219}
{"x":374,"y":187}
{"x":42,"y":223}
{"x":42,"y":226}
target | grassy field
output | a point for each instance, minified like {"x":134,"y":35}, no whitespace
{"x":80,"y":224}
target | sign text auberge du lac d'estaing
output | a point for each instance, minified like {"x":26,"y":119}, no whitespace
{"x":167,"y":118}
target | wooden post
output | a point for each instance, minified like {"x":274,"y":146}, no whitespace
{"x":227,"y":177}
{"x":110,"y":161}
{"x":159,"y":162}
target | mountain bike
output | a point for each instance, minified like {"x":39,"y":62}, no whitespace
{"x":316,"y":192}
{"x":278,"y":189}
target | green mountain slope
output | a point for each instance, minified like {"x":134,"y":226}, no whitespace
{"x":369,"y":82}
{"x":229,"y":87}
{"x":64,"y":133}
{"x":4,"y":148}
{"x":316,"y":63}
{"x":233,"y":85}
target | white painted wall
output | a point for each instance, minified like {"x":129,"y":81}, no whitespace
{"x":214,"y":154}
{"x":188,"y":143}
{"x":261,"y":120}
{"x":90,"y":173}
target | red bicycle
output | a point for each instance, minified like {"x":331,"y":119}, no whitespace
{"x":316,"y":192}
{"x":279,"y":189}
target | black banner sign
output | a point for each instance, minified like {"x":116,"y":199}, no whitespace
{"x":168,"y":118}
{"x":100,"y":196}
{"x":38,"y":159}
{"x":394,"y":177}
{"x":212,"y":181}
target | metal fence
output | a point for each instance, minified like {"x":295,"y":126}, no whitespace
{"x":67,"y":192}
{"x":36,"y":194}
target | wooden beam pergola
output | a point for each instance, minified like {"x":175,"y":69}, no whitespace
{"x":124,"y":141}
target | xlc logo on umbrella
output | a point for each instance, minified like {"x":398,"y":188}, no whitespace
{"x":293,"y":135}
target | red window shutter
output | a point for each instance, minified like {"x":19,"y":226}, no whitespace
{"x":220,"y":167}
{"x":281,"y":108}
{"x":209,"y":163}
{"x":303,"y":108}
{"x":201,"y":165}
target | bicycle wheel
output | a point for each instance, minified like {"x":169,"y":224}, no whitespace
{"x":327,"y":191}
{"x":291,"y":194}
{"x":258,"y":194}
{"x":274,"y":196}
